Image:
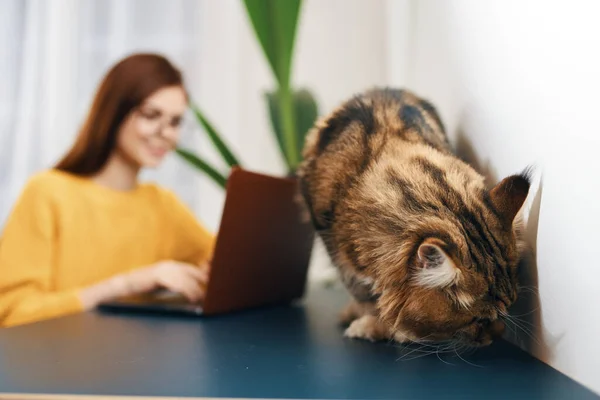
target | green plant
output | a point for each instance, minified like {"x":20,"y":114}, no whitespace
{"x":292,"y":112}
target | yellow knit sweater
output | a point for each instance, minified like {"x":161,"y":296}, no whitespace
{"x":67,"y":232}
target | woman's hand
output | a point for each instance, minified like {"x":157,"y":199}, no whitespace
{"x":186,"y":279}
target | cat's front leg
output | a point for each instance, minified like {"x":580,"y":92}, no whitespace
{"x":368,"y":327}
{"x":350,"y":313}
{"x":354,"y":310}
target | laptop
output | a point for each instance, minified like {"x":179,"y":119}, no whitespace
{"x":261,"y":257}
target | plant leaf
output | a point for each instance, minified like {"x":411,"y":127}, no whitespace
{"x":306,"y":111}
{"x":276,"y":124}
{"x":274,"y":23}
{"x":215,"y":138}
{"x":203,"y":166}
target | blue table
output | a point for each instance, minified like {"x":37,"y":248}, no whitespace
{"x":293,"y":352}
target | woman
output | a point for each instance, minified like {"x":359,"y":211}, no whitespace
{"x":86,"y":231}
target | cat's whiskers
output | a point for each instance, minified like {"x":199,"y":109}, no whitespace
{"x":423,"y":353}
{"x":437,"y":353}
{"x":404,"y":346}
{"x":417,"y":350}
{"x":516,"y":318}
{"x":468,"y":362}
{"x":512,"y":329}
{"x":423,"y":341}
{"x":425,"y":348}
{"x":530,"y":289}
{"x":532,"y":326}
{"x":527,"y":313}
{"x":523,"y":328}
{"x":529,"y":332}
{"x":420,"y":349}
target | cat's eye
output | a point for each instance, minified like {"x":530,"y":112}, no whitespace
{"x":489,"y":298}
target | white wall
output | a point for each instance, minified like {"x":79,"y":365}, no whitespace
{"x":520,"y":80}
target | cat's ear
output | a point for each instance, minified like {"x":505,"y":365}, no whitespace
{"x":436,"y":268}
{"x":509,"y":195}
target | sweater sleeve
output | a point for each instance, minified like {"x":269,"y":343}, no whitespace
{"x":27,"y":249}
{"x":192,"y":241}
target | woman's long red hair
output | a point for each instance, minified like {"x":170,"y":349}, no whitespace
{"x":123,"y":89}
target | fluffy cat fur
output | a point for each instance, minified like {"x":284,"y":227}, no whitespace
{"x":427,"y":251}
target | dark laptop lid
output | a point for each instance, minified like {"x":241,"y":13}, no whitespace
{"x":263,"y":246}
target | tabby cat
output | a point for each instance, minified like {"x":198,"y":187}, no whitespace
{"x":428,"y":252}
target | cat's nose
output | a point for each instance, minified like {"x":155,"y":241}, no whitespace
{"x":501,"y":306}
{"x":496,"y":329}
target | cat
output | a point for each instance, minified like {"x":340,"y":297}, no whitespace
{"x":427,"y":251}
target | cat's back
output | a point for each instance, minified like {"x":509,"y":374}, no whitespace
{"x":343,"y":145}
{"x":376,"y":116}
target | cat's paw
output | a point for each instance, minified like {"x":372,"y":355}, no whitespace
{"x":367,"y":327}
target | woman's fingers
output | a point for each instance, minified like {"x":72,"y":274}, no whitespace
{"x":186,"y":279}
{"x":200,"y":274}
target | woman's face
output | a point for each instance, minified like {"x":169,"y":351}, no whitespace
{"x":152,"y":129}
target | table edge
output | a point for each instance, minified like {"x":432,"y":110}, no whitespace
{"x":40,"y":396}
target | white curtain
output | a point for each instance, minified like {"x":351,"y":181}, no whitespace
{"x":55,"y":52}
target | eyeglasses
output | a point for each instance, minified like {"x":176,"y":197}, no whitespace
{"x":157,"y":123}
